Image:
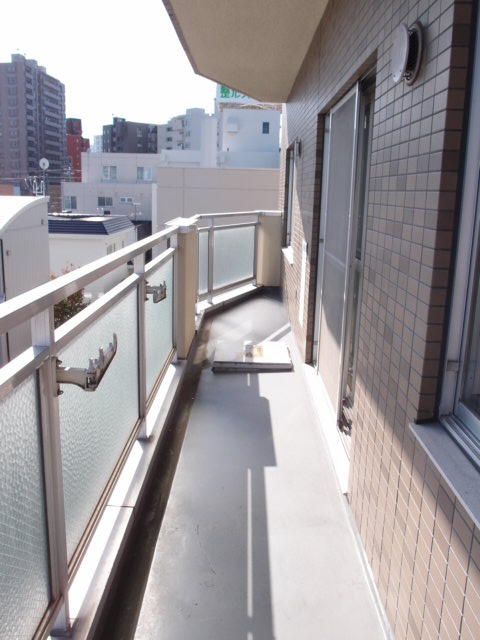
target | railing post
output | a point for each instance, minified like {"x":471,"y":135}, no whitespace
{"x":186,"y":279}
{"x":211,"y":249}
{"x":269,"y":243}
{"x":139,"y":269}
{"x":43,"y":335}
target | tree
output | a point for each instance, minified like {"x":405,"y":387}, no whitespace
{"x":70,"y":306}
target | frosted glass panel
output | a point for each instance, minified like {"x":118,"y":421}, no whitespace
{"x":234,"y":251}
{"x":24,"y":573}
{"x":202,"y":261}
{"x":158,"y":324}
{"x":95,"y":425}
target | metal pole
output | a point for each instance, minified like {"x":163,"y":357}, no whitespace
{"x":43,"y":335}
{"x":139,"y":269}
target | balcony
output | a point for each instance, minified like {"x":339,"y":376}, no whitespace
{"x":256,"y":540}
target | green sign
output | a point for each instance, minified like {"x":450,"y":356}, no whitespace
{"x":226,"y":93}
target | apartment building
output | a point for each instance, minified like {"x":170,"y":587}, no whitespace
{"x":192,"y":130}
{"x":124,"y":136}
{"x":380,"y":171}
{"x":241,"y":133}
{"x":76,"y":145}
{"x":248,"y":130}
{"x":32,"y":121}
{"x":378,"y":264}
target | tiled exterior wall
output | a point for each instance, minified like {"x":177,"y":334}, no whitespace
{"x":423,"y":547}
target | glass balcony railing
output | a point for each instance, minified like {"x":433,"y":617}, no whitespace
{"x":226,"y":252}
{"x":73,"y":405}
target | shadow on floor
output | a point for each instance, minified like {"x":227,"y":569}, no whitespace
{"x":210,"y":576}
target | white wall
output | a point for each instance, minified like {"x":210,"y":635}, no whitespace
{"x":87,"y":195}
{"x":126,"y":163}
{"x":25,"y":258}
{"x":241,"y":130}
{"x":185,"y":192}
{"x":68,"y":251}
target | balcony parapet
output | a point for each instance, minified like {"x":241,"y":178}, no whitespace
{"x":88,"y":445}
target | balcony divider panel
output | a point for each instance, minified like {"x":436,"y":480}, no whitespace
{"x":234,"y":254}
{"x":95,"y":427}
{"x":159,"y":324}
{"x":202,"y":261}
{"x":24,"y":556}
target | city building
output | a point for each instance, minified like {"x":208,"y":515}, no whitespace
{"x":129,"y":137}
{"x":244,"y":132}
{"x":191,"y":131}
{"x":116,"y":183}
{"x":75,"y":239}
{"x":97,"y":146}
{"x":248,"y":130}
{"x":76,"y":145}
{"x":156,"y":187}
{"x":32,"y":118}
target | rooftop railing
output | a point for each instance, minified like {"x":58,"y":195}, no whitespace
{"x":73,"y":405}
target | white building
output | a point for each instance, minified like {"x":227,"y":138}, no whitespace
{"x":24,"y":260}
{"x":97,"y":146}
{"x":77,"y":239}
{"x":117,"y":183}
{"x":193,"y":130}
{"x":248,"y":131}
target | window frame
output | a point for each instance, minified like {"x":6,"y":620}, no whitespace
{"x":144,"y":174}
{"x":105,"y":203}
{"x":109,"y":172}
{"x":291,"y":179}
{"x":455,"y":415}
{"x":70,"y":202}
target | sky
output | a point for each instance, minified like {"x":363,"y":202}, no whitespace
{"x":115,"y":57}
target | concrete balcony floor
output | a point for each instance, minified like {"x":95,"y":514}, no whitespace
{"x":256,"y":541}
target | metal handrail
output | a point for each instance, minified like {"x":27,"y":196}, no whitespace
{"x":28,"y":304}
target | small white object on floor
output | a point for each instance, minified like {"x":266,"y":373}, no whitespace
{"x":252,"y":356}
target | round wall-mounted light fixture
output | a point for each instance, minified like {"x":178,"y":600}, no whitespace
{"x":407,"y":50}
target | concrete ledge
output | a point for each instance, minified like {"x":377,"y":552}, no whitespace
{"x":224,"y":299}
{"x":452,"y":463}
{"x":96,"y":572}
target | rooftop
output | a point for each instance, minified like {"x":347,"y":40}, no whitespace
{"x":86,"y":224}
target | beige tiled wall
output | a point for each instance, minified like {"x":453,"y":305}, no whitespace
{"x":423,"y":547}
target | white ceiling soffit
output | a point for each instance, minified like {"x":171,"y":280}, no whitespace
{"x":254,"y":46}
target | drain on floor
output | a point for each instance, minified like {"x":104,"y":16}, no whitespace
{"x":251,"y":356}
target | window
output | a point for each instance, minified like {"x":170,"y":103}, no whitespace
{"x":70,"y":202}
{"x":291,"y":175}
{"x":126,"y":200}
{"x":105,"y":201}
{"x":265,"y":127}
{"x":460,"y":400}
{"x":144,"y":173}
{"x":109,"y":173}
{"x":110,"y":248}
